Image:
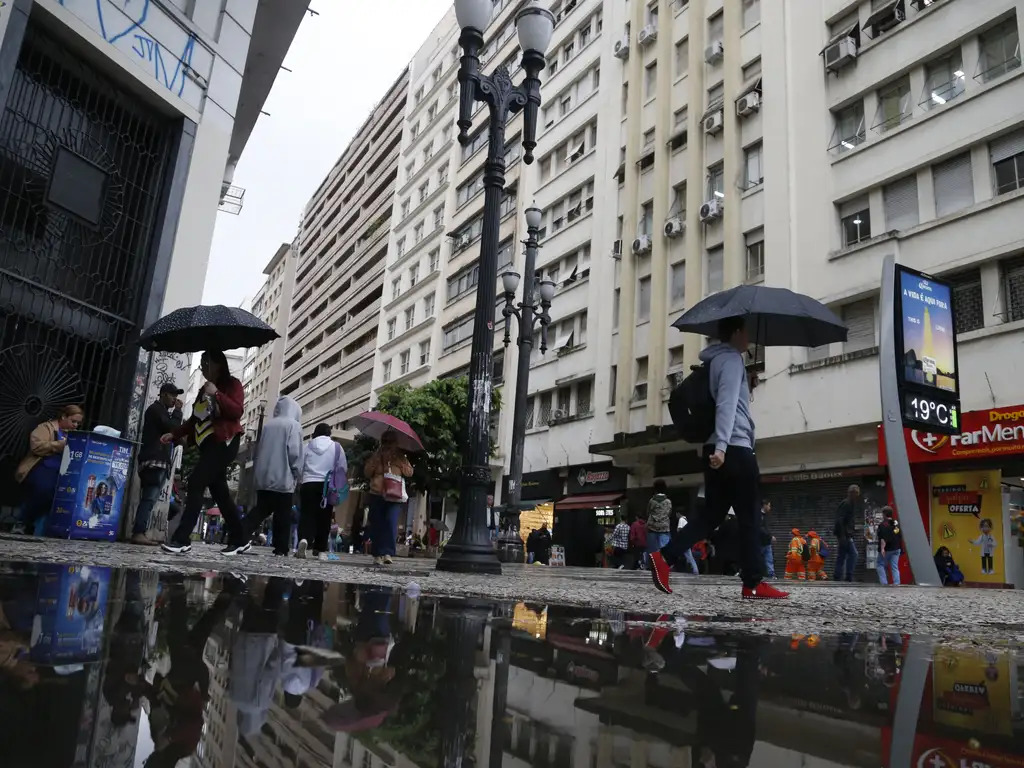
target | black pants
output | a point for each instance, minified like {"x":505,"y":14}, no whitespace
{"x":211,"y":471}
{"x":735,"y":485}
{"x":278,"y":504}
{"x":988,"y":563}
{"x":314,"y":520}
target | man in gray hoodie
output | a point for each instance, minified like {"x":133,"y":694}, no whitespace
{"x":731,"y":476}
{"x":277,"y":470}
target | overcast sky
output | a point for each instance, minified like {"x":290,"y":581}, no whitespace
{"x":341,"y":66}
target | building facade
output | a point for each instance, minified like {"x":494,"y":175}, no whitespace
{"x":342,"y":247}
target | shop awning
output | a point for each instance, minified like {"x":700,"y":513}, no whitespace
{"x":589,"y":501}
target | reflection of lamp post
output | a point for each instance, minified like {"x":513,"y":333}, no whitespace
{"x":464,"y":624}
{"x":511,"y":544}
{"x":470,"y":549}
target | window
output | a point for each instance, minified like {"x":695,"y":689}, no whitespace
{"x":677,"y":285}
{"x":754,"y":241}
{"x":568,"y":51}
{"x":410,"y":317}
{"x":752,"y":70}
{"x":611,"y":385}
{"x":894,"y":106}
{"x":431,"y":112}
{"x":396,"y":288}
{"x":716,"y":95}
{"x":643,"y":300}
{"x":855,"y":220}
{"x":648,"y":138}
{"x":968,"y":304}
{"x":428,"y":151}
{"x":428,"y":305}
{"x":419,"y":94}
{"x":651,"y":80}
{"x":943,"y":80}
{"x":849,"y":131}
{"x":417,"y":232}
{"x":564,"y":105}
{"x":584,"y":401}
{"x":954,"y":184}
{"x":392,"y":323}
{"x":716,"y":25}
{"x":414,"y":275}
{"x":859,"y":318}
{"x":400,"y":247}
{"x":885,"y":14}
{"x":640,"y":390}
{"x":716,"y":181}
{"x":1013,"y":289}
{"x":404,"y":362}
{"x":435,"y":260}
{"x":900,"y":200}
{"x":1008,"y":162}
{"x":442,"y":174}
{"x":469,"y":189}
{"x":387,"y":371}
{"x":677,"y":207}
{"x":476,"y":142}
{"x":616,"y":300}
{"x":679,"y":128}
{"x":1000,"y":51}
{"x":652,"y":13}
{"x":424,"y":191}
{"x":647,"y":218}
{"x":458,"y":332}
{"x":751,"y":13}
{"x":716,"y":269}
{"x":439,"y":217}
{"x":425,"y":352}
{"x":754,"y":172}
{"x":405,"y":208}
{"x":682,"y":57}
{"x":410,"y":171}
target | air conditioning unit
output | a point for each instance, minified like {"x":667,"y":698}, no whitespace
{"x":714,"y":123}
{"x":714,"y":52}
{"x":642,"y":245}
{"x":557,"y":415}
{"x":840,"y":54}
{"x":748,"y":104}
{"x":647,"y":35}
{"x":462,"y":241}
{"x":617,"y":250}
{"x":621,"y":49}
{"x":712,"y":209}
{"x":674,"y":227}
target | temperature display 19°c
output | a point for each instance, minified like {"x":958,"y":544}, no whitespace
{"x":927,"y":410}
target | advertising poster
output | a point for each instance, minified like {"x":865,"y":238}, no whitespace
{"x":967,"y":517}
{"x":71,"y":607}
{"x":928,"y":335}
{"x":972,"y":691}
{"x":91,"y":488}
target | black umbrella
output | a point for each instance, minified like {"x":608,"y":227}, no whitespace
{"x":776,"y":317}
{"x":197,"y":329}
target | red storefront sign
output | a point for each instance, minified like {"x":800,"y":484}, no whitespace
{"x":984,"y":434}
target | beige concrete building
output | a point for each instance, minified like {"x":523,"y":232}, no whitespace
{"x":264,"y":365}
{"x":342,"y":247}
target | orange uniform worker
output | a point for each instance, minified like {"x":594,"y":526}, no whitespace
{"x":816,"y":560}
{"x":795,"y":569}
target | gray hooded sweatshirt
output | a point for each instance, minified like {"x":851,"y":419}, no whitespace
{"x":279,"y":453}
{"x":729,"y":388}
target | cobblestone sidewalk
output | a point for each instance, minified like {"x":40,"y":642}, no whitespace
{"x":990,"y":617}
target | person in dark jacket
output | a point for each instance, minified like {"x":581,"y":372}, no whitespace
{"x":161,"y":417}
{"x":538,"y":543}
{"x":849,"y":510}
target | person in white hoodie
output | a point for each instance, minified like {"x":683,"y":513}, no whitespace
{"x":324,"y":460}
{"x":278,"y":467}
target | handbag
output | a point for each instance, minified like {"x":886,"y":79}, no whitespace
{"x":394,"y":487}
{"x":333,"y":494}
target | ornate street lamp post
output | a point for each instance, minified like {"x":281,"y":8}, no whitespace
{"x":510,"y":543}
{"x":469,"y":550}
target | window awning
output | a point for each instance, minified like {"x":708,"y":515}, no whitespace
{"x":753,"y":84}
{"x":851,"y":31}
{"x":886,"y":17}
{"x":589,"y":501}
{"x":716,"y":106}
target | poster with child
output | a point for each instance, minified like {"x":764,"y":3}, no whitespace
{"x":967,"y":517}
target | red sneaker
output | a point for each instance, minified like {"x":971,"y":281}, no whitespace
{"x":659,"y":573}
{"x":764,"y":591}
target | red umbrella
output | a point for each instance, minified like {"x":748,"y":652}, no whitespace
{"x":376,"y":424}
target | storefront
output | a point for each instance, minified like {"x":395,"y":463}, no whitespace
{"x":969,"y":489}
{"x":594,"y":493}
{"x":540,"y":489}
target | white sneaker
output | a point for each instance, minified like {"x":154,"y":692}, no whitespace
{"x":300,"y":551}
{"x":232,"y":550}
{"x":176,"y":549}
{"x":388,"y":560}
{"x":378,"y":561}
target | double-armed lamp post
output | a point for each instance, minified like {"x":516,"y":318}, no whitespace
{"x":469,"y":550}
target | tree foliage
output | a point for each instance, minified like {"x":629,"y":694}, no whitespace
{"x":438,"y":411}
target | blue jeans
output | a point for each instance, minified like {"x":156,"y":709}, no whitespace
{"x":655,"y":541}
{"x":383,"y":525}
{"x":769,"y":561}
{"x":152,"y":483}
{"x":846,"y":560}
{"x":889,"y":562}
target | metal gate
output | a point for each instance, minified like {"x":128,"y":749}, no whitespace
{"x":82,"y":168}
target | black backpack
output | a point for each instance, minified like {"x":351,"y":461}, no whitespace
{"x":692,"y":407}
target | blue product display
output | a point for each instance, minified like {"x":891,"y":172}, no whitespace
{"x":90,"y":491}
{"x":71,"y":608}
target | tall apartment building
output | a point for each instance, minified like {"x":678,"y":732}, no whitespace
{"x":342,"y":247}
{"x":264,"y":365}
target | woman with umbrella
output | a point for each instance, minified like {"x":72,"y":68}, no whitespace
{"x":215,"y":428}
{"x":386,"y":469}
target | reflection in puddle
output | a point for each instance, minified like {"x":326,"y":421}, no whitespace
{"x":111,"y":668}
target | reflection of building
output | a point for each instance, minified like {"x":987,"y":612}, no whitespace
{"x":219,"y":742}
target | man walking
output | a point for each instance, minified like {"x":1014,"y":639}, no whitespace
{"x":277,"y":470}
{"x":890,"y":539}
{"x":620,"y":544}
{"x":659,"y":517}
{"x":161,"y":417}
{"x":849,"y":510}
{"x":767,"y":540}
{"x":731,"y":474}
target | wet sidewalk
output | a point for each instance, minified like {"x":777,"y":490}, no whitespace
{"x":989,"y":617}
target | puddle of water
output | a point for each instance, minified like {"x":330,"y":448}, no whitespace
{"x":115,"y":668}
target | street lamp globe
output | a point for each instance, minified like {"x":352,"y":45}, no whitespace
{"x":535,"y":26}
{"x":534,"y":217}
{"x":510,"y":281}
{"x":547,"y":290}
{"x":474,"y":14}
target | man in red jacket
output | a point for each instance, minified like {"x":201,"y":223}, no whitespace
{"x":215,"y":428}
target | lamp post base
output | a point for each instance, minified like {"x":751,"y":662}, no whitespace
{"x":469,"y":558}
